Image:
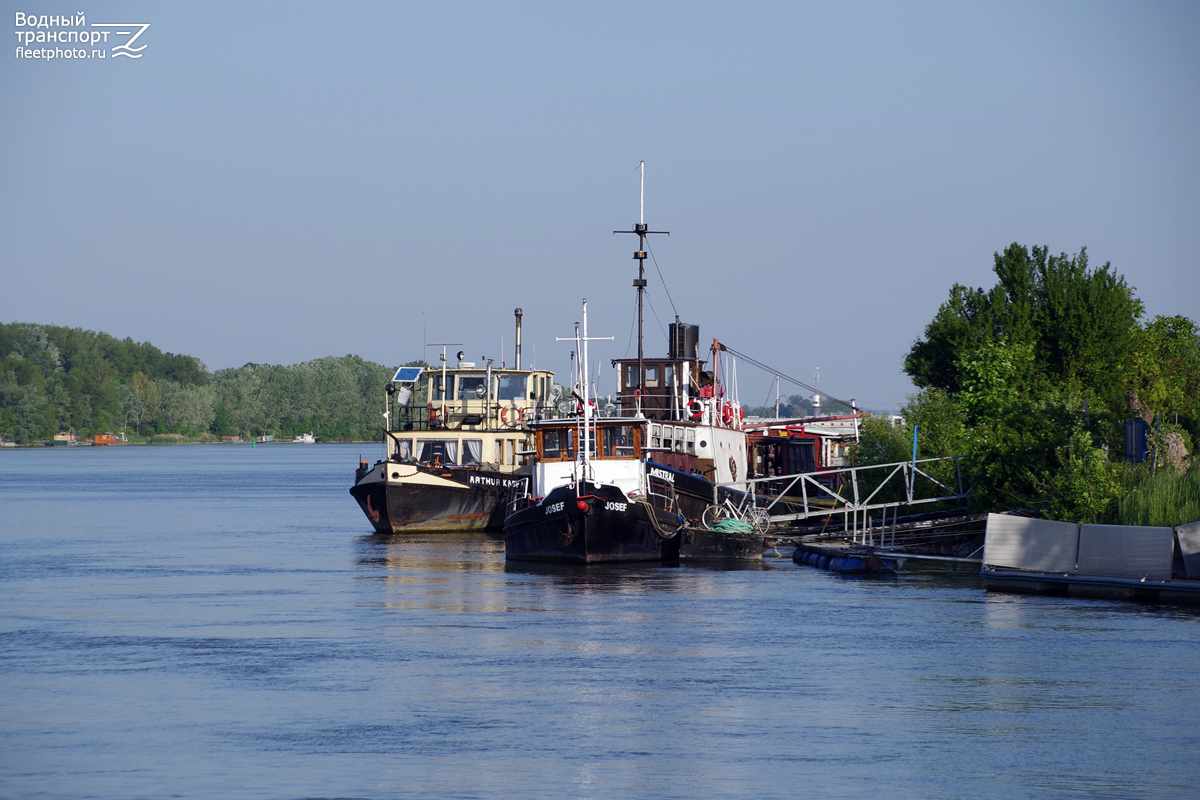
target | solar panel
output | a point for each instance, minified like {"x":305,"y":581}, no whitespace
{"x":408,"y":374}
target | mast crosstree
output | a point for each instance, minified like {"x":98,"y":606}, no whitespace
{"x":640,"y":282}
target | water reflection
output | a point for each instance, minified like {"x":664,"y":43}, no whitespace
{"x":246,"y":622}
{"x":456,"y":551}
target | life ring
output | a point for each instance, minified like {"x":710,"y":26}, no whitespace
{"x":512,"y":416}
{"x":727,"y":413}
{"x":695,"y":409}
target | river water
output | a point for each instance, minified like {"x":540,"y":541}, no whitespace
{"x":218,"y":621}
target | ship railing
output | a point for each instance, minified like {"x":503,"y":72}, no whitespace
{"x":661,"y":494}
{"x":518,"y":497}
{"x":499,"y":415}
{"x":861,"y":492}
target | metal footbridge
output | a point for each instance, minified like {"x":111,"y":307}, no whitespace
{"x":865,"y":497}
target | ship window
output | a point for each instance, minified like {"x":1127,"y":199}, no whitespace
{"x":656,"y":435}
{"x":679,"y":440}
{"x":443,"y":451}
{"x":510,"y":387}
{"x":631,"y":381}
{"x":554,"y":443}
{"x":690,"y":435}
{"x":667,"y":441}
{"x":472,"y":451}
{"x":499,"y":451}
{"x":471,"y":387}
{"x":403,"y":450}
{"x":652,"y":375}
{"x":435,"y":387}
{"x":618,"y":441}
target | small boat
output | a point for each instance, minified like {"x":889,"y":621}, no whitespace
{"x":726,"y":540}
{"x":456,"y":442}
{"x":305,"y":438}
{"x":65,"y":439}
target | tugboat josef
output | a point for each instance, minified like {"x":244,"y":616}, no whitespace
{"x":624,"y":482}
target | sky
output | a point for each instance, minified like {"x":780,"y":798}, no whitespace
{"x":279,"y":182}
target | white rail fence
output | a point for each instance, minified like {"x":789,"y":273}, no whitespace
{"x":860,"y":493}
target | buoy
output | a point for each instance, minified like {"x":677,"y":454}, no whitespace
{"x":512,"y":416}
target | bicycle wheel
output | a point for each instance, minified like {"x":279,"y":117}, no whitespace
{"x":711,"y":515}
{"x":759,"y":518}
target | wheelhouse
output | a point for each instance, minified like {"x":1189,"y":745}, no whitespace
{"x":469,"y":399}
{"x":663,"y":388}
{"x":608,"y":440}
{"x":465,"y":416}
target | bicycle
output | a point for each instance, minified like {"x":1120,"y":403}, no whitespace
{"x":746,"y":512}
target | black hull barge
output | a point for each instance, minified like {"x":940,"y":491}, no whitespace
{"x":705,"y":544}
{"x":590,"y":524}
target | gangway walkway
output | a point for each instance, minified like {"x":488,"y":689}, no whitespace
{"x":861,"y":492}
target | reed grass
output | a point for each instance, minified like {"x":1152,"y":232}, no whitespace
{"x":1163,"y":497}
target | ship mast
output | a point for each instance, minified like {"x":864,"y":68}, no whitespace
{"x":640,"y":282}
{"x":585,"y":416}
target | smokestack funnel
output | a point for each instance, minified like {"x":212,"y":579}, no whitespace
{"x":518,"y":314}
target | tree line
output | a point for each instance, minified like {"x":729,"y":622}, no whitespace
{"x":1035,"y":378}
{"x":55,"y":379}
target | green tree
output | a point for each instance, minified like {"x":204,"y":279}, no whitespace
{"x":1166,"y":374}
{"x":941,"y":422}
{"x":141,"y":401}
{"x":880,"y":442}
{"x":185,"y":409}
{"x":33,"y":417}
{"x":1031,"y":378}
{"x":1081,"y":323}
{"x":222,"y":424}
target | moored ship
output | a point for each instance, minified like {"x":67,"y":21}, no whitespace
{"x":456,"y":442}
{"x":624,"y":485}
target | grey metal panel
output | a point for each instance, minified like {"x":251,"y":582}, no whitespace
{"x":1189,"y":546}
{"x":1126,"y":551}
{"x":1033,"y":544}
